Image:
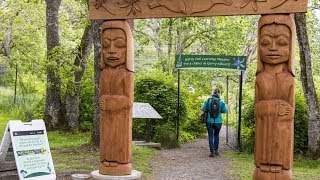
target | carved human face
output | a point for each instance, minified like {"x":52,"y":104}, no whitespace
{"x":274,"y":43}
{"x":114,"y":47}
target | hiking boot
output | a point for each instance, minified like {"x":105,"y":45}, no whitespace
{"x":212,"y":154}
{"x":216,"y":153}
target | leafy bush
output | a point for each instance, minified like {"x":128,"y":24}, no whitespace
{"x":86,"y":104}
{"x":247,"y":121}
{"x":159,"y":91}
{"x":192,"y":128}
{"x":300,"y":125}
{"x":166,"y":135}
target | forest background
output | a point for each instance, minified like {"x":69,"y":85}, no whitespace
{"x":49,"y":56}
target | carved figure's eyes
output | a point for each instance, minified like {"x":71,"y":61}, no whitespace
{"x":265,"y":42}
{"x":120,"y":42}
{"x":106,"y":44}
{"x":282,"y":42}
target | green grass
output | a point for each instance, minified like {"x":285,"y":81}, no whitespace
{"x":3,"y":124}
{"x":75,"y":159}
{"x":141,"y":156}
{"x":5,"y":93}
{"x":59,"y":139}
{"x":73,"y":152}
{"x":306,"y":169}
{"x":243,"y":167}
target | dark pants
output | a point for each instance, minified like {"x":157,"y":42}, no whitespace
{"x":213,"y":135}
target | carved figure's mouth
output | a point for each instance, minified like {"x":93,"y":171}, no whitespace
{"x":112,"y":58}
{"x":273,"y":56}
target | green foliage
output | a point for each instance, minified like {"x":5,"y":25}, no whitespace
{"x":300,"y":125}
{"x":27,"y":106}
{"x":166,"y":135}
{"x":158,"y":90}
{"x":86,"y":105}
{"x":192,"y":128}
{"x":247,"y":119}
{"x":139,"y":128}
{"x":8,"y":79}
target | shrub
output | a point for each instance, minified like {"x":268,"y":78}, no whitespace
{"x":166,"y":135}
{"x":86,"y":104}
{"x":192,"y":128}
{"x":160,"y":92}
{"x":247,"y":121}
{"x":300,"y":125}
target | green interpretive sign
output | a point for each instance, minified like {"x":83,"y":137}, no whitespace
{"x":211,"y":62}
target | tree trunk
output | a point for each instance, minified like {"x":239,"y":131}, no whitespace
{"x":7,"y":49}
{"x":249,"y":48}
{"x":73,"y":90}
{"x":170,"y":38}
{"x":308,"y":87}
{"x":7,"y":45}
{"x":52,"y":114}
{"x":96,"y":115}
{"x":155,"y":25}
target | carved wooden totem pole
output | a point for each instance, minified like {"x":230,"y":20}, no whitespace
{"x":274,"y":98}
{"x":116,"y":98}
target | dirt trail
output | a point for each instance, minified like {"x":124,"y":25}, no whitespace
{"x":192,"y":161}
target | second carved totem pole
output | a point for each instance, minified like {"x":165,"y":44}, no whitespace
{"x":274,"y":86}
{"x":274,"y":98}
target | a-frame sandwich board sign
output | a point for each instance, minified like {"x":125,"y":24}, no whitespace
{"x":30,"y":148}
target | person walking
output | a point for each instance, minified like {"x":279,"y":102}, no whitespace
{"x":214,"y":107}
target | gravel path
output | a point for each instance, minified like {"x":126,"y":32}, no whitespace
{"x":192,"y":161}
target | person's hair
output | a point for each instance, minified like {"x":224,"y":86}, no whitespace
{"x":216,"y":91}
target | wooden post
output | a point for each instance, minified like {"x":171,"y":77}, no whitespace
{"x":116,"y":98}
{"x":274,"y":98}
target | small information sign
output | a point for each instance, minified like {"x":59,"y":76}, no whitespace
{"x":31,"y":150}
{"x":144,"y":110}
{"x":211,"y":62}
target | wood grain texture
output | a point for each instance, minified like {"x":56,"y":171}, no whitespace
{"x":116,"y":98}
{"x":137,"y":9}
{"x":274,"y":98}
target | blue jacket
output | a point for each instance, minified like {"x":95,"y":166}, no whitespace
{"x":205,"y":108}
